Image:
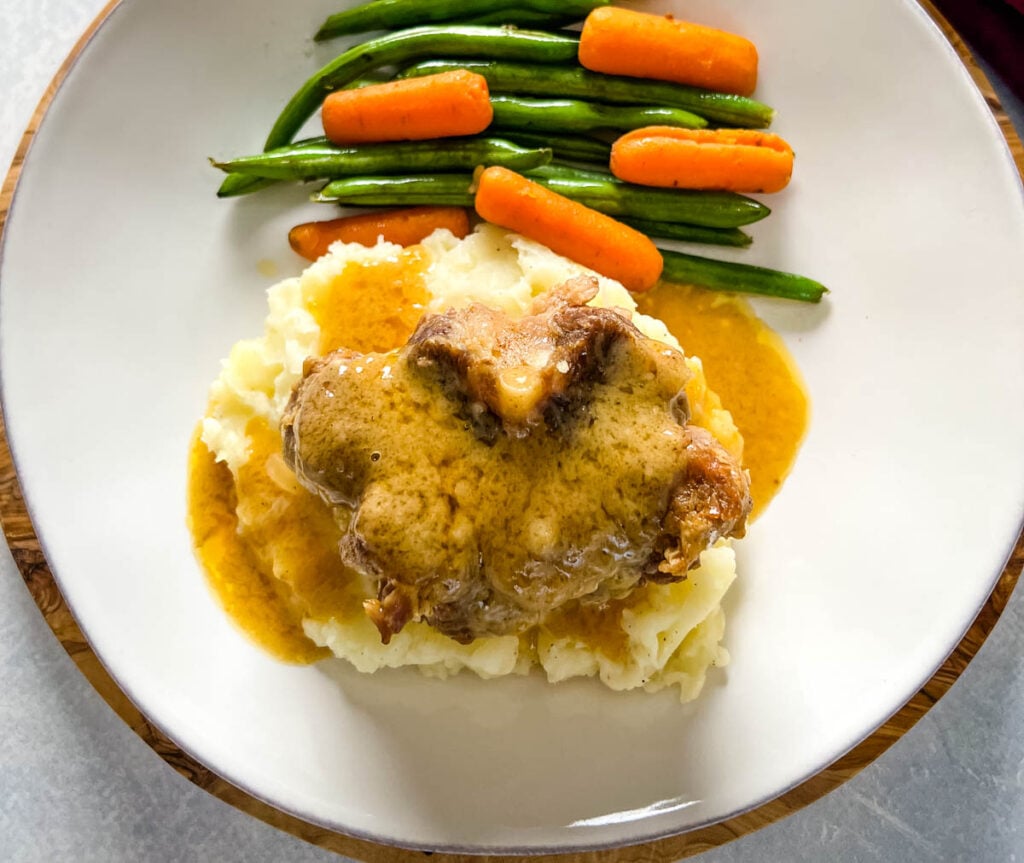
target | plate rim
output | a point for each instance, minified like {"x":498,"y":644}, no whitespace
{"x":29,"y":556}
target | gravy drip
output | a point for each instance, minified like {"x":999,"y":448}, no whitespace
{"x":748,"y":365}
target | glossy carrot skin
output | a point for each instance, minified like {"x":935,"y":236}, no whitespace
{"x":569,"y":228}
{"x":638,"y":44}
{"x":735,"y":160}
{"x":403,"y":227}
{"x":445,"y":105}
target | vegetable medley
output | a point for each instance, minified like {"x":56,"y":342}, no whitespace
{"x":593,"y":142}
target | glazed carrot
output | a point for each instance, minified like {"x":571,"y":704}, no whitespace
{"x":641,"y":45}
{"x":733,"y":160}
{"x":436,"y":106}
{"x":569,"y":228}
{"x":403,"y":227}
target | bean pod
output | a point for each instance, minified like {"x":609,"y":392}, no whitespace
{"x":573,"y":81}
{"x":325,"y":162}
{"x":398,"y":14}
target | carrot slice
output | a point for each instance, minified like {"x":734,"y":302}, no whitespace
{"x":569,"y":228}
{"x":641,"y":45}
{"x":735,"y":160}
{"x":403,"y":227}
{"x":414,"y":109}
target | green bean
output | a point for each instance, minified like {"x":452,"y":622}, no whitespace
{"x":599,"y":191}
{"x":235,"y":185}
{"x":575,"y":148}
{"x":407,"y":45}
{"x":690,"y":233}
{"x":575,"y":115}
{"x":603,"y":192}
{"x":408,"y":190}
{"x":397,"y":14}
{"x":371,"y":78}
{"x":741,"y":278}
{"x":528,"y":79}
{"x":517,"y":17}
{"x":328,"y":161}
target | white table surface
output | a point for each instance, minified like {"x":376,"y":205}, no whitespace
{"x":77,"y":785}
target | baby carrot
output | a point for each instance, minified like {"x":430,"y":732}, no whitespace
{"x":642,"y":45}
{"x":435,"y":106}
{"x":403,"y":227}
{"x":569,"y":228}
{"x":734,"y":160}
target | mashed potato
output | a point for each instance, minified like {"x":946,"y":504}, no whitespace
{"x":661,"y":636}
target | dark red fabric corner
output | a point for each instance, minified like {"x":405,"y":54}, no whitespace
{"x":994,"y":29}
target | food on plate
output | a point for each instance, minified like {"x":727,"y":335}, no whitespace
{"x":684,"y":269}
{"x":513,"y":112}
{"x":690,"y":233}
{"x":401,"y":227}
{"x":751,"y":370}
{"x":597,"y":189}
{"x":571,"y":148}
{"x":451,"y":74}
{"x":569,"y":228}
{"x":403,"y":46}
{"x":445,"y":105}
{"x":603,"y":192}
{"x":461,"y":442}
{"x":495,"y":469}
{"x":392,"y":14}
{"x":318,"y":159}
{"x":271,"y":546}
{"x":639,"y":44}
{"x":573,"y":81}
{"x":737,"y":160}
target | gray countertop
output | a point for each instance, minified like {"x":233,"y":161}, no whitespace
{"x":77,"y":784}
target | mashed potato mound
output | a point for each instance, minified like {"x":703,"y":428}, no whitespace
{"x":661,"y":636}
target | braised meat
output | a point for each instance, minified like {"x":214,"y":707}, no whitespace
{"x":494,"y":469}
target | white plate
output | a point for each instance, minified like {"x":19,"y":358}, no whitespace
{"x":124,"y":281}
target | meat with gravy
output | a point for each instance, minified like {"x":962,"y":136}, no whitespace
{"x":495,"y":469}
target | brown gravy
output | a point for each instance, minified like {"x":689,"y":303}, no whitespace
{"x":749,"y":367}
{"x":269,"y":547}
{"x":252,"y":598}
